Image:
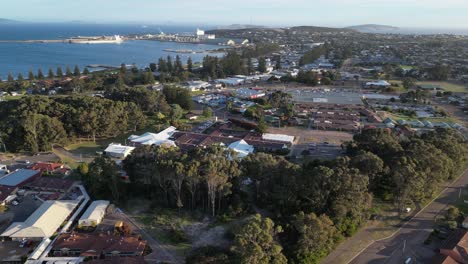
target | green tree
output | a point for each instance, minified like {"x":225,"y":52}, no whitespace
{"x":262,"y":126}
{"x":162,"y":65}
{"x":51,"y":74}
{"x":68,"y":71}
{"x":217,"y":171}
{"x":176,"y":113}
{"x":10,"y":78}
{"x":31,"y":75}
{"x":255,"y":242}
{"x":178,"y":67}
{"x":120,"y":82}
{"x":262,"y":65}
{"x":189,"y":64}
{"x":207,"y":112}
{"x":453,"y":213}
{"x":169,"y":65}
{"x":180,"y":96}
{"x":123,"y":69}
{"x":59,"y":72}
{"x":409,"y":83}
{"x":250,"y":67}
{"x":20,"y":79}
{"x":40,"y":75}
{"x":83,"y":169}
{"x":439,"y":72}
{"x":103,"y":179}
{"x":316,"y":237}
{"x":86,"y":71}
{"x":153,"y":67}
{"x":278,"y":62}
{"x":76,"y":71}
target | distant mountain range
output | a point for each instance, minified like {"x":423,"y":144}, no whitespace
{"x":373,"y":28}
{"x":239,"y":26}
{"x":7,"y":21}
{"x":299,"y":29}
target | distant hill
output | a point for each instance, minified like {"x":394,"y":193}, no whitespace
{"x":261,"y":29}
{"x":312,"y":29}
{"x":369,"y":28}
{"x":7,"y":21}
{"x":239,"y":26}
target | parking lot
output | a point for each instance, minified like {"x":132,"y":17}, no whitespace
{"x":11,"y":251}
{"x":18,"y":213}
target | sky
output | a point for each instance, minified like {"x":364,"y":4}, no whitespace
{"x":334,"y":13}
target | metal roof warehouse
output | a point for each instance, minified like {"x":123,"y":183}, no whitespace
{"x":43,"y":222}
{"x":19,"y":177}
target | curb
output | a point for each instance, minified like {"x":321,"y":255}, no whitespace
{"x":411,"y":219}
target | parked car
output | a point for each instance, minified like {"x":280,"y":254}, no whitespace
{"x":23,"y":243}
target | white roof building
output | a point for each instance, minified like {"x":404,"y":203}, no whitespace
{"x":196,"y":85}
{"x":94,"y":214}
{"x":118,"y":150}
{"x":231,"y":81}
{"x":245,"y":93}
{"x":43,"y":223}
{"x":278,"y":137}
{"x":154,"y":139}
{"x":242,"y":148}
{"x":380,"y":83}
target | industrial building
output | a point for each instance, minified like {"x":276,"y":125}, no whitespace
{"x":245,"y":93}
{"x":43,"y":223}
{"x":118,"y":151}
{"x":94,"y":214}
{"x":20,"y":177}
{"x":149,"y":139}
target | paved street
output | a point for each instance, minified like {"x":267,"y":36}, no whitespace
{"x":409,"y":240}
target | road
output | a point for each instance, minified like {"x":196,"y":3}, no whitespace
{"x":409,"y":240}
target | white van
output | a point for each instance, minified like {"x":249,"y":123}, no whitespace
{"x":3,"y":169}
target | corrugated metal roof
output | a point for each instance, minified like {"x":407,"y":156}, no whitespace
{"x":95,"y":211}
{"x":17,"y":177}
{"x":43,"y":222}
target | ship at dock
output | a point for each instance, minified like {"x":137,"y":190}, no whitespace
{"x":96,"y":40}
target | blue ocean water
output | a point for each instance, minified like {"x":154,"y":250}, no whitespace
{"x":21,"y":57}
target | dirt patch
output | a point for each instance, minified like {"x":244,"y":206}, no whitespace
{"x":307,"y":135}
{"x":201,"y":235}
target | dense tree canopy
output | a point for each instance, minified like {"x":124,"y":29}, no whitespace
{"x":35,"y":123}
{"x":255,"y":242}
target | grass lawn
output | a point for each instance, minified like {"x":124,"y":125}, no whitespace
{"x":165,"y":226}
{"x":407,"y":67}
{"x":11,"y":98}
{"x":67,"y":160}
{"x":397,"y":117}
{"x":448,"y":86}
{"x":85,"y":147}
